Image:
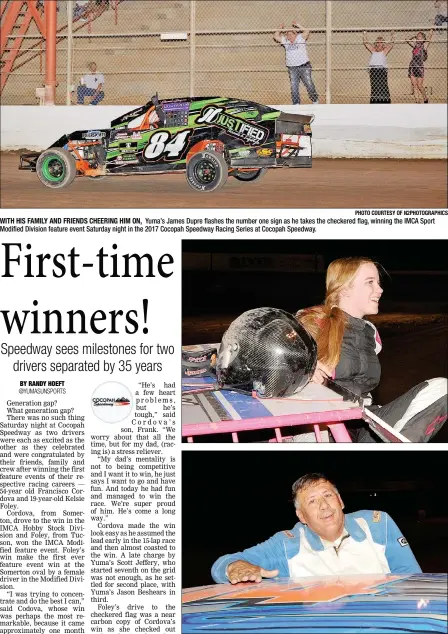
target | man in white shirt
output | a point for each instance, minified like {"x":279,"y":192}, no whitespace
{"x":91,"y":86}
{"x":324,"y":542}
{"x":297,"y":61}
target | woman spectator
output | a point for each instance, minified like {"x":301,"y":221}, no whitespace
{"x":416,"y":72}
{"x":347,"y":349}
{"x":379,"y":85}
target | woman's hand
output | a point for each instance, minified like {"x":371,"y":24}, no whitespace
{"x":321,"y":373}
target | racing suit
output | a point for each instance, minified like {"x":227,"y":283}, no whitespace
{"x":418,"y":414}
{"x":371,"y":543}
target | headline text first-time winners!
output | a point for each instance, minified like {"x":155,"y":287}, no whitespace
{"x":16,"y":259}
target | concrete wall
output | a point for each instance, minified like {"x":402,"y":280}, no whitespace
{"x":348,"y":131}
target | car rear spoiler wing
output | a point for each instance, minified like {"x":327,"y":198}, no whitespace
{"x":296,"y":118}
{"x":288,"y":123}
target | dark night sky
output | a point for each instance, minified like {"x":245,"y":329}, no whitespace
{"x":391,"y":254}
{"x":232,"y":500}
{"x":236,"y":290}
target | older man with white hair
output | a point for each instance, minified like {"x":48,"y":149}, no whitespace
{"x":325,"y":541}
{"x":297,"y":60}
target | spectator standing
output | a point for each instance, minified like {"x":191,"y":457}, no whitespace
{"x":442,"y":12}
{"x":378,"y":71}
{"x":416,"y":72}
{"x":297,"y":61}
{"x":92,"y":85}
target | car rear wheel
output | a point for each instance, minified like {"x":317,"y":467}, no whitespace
{"x":56,"y":168}
{"x":207,"y":171}
{"x":249,"y":176}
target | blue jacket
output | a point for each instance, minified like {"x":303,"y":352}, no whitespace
{"x":372,"y":544}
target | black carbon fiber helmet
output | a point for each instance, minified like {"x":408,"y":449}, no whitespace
{"x":266,"y":350}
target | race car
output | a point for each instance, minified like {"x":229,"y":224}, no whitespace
{"x":208,"y":139}
{"x":359,"y":604}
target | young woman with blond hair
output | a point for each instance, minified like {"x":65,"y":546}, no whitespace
{"x":378,"y":68}
{"x":348,"y":346}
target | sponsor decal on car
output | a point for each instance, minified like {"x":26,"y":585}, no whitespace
{"x":265,"y":152}
{"x":247,"y":132}
{"x":244,"y":109}
{"x":93,"y":134}
{"x":130,"y":158}
{"x":241,"y":153}
{"x":197,"y":372}
{"x":128,"y":146}
{"x":176,"y":106}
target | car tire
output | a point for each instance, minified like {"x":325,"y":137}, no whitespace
{"x":56,"y":168}
{"x":207,"y":171}
{"x":249,"y":177}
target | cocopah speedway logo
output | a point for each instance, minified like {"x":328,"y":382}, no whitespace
{"x":112,"y":402}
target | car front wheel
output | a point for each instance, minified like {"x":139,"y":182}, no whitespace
{"x":56,"y":168}
{"x":207,"y":171}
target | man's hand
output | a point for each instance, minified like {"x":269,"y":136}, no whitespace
{"x":321,"y":373}
{"x":300,"y":27}
{"x":244,"y":571}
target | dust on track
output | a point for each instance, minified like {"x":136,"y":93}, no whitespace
{"x":329,"y":184}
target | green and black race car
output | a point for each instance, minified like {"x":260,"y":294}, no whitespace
{"x":208,"y":139}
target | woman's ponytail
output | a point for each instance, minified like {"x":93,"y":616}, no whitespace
{"x":326,"y":323}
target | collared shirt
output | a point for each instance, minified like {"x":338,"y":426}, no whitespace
{"x":337,"y":542}
{"x":346,"y":555}
{"x":296,"y":53}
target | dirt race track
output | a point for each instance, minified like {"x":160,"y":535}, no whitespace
{"x":330,"y":183}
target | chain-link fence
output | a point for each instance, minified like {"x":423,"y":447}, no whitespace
{"x":226,"y":47}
